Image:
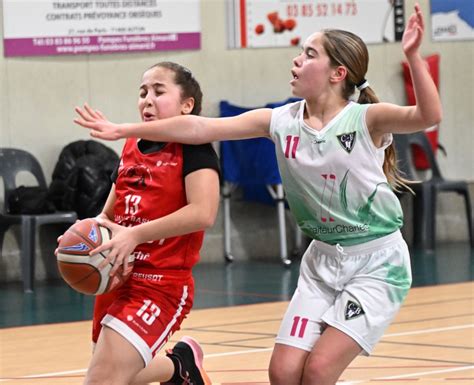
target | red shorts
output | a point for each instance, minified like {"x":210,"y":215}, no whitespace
{"x":147,"y":309}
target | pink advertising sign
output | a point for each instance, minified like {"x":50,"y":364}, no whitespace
{"x":75,"y":27}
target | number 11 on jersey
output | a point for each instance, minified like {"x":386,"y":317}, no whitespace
{"x":291,"y":146}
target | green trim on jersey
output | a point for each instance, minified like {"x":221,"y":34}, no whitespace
{"x":333,"y":178}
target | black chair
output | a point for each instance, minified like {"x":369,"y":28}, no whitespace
{"x":12,"y":162}
{"x":424,"y":213}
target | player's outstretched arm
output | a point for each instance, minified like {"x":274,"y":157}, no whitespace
{"x":187,"y":129}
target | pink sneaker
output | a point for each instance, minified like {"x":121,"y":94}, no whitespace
{"x":190,"y":356}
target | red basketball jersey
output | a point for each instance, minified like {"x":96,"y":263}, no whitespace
{"x":150,"y":186}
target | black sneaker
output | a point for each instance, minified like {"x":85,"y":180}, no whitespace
{"x":190,"y":357}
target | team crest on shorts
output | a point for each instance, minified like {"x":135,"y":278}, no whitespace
{"x":353,"y":310}
{"x":347,"y":141}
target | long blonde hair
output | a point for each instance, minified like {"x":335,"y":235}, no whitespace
{"x":347,"y":49}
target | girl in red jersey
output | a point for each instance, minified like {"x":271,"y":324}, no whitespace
{"x":164,"y":195}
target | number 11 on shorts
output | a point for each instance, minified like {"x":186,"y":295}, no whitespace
{"x":299,"y":326}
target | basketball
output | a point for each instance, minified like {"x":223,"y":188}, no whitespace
{"x":78,"y":268}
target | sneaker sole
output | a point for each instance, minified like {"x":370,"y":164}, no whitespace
{"x":198,"y":357}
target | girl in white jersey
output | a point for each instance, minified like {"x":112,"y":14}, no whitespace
{"x":338,"y":169}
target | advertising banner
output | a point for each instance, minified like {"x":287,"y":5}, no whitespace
{"x":71,"y":27}
{"x":283,"y":23}
{"x":452,"y":20}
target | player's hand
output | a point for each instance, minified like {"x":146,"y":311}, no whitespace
{"x":119,"y":247}
{"x":56,"y":250}
{"x":100,"y":127}
{"x":413,"y":34}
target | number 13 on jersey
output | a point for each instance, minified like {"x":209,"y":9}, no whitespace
{"x":132,"y":204}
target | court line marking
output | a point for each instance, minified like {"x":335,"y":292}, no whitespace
{"x":424,"y":331}
{"x":401,"y":376}
{"x":421,"y":331}
{"x":53,"y":374}
{"x":397,"y":377}
{"x":238,"y":352}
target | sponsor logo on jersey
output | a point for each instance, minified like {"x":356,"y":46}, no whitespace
{"x":347,"y":141}
{"x":353,"y":310}
{"x":137,"y":176}
{"x":140,"y":255}
{"x":147,"y":277}
{"x":316,"y":229}
{"x":160,"y":163}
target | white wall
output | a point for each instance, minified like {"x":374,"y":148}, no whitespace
{"x":37,"y":97}
{"x":37,"y":94}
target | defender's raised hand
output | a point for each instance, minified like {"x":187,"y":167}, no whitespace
{"x":100,"y":127}
{"x":413,"y":34}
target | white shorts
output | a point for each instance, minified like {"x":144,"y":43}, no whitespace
{"x":356,"y":289}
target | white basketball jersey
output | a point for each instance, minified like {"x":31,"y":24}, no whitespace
{"x":333,"y":178}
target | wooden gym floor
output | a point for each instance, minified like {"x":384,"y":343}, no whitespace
{"x":45,"y":335}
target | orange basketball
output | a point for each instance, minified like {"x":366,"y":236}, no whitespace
{"x":78,"y":268}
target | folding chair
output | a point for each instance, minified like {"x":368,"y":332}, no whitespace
{"x":252,"y":163}
{"x":12,"y":162}
{"x":424,"y":213}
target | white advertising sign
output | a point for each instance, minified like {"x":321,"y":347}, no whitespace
{"x":282,"y":23}
{"x":452,"y":20}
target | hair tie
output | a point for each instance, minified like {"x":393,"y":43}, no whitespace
{"x":363,"y":84}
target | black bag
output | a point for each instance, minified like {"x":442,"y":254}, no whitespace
{"x":81,"y":178}
{"x":30,"y":200}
